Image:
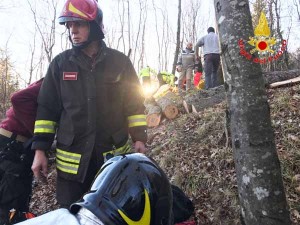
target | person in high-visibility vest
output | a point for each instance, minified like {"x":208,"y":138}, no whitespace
{"x":166,"y":78}
{"x":147,"y":76}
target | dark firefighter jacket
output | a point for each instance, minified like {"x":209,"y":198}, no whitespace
{"x":92,"y":102}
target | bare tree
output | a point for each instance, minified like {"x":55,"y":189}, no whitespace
{"x":158,"y":33}
{"x":260,"y":186}
{"x":177,"y":37}
{"x":190,"y":21}
{"x":279,"y":32}
{"x":140,"y":34}
{"x":258,"y":7}
{"x":121,"y":14}
{"x":8,"y":80}
{"x":297,"y":4}
{"x":46,"y":26}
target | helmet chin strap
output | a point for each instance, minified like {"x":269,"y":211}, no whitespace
{"x":85,"y":217}
{"x":94,"y":35}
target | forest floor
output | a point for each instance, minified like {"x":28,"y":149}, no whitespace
{"x":196,"y":154}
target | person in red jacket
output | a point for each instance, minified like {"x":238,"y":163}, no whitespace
{"x":16,"y":157}
{"x":198,"y":72}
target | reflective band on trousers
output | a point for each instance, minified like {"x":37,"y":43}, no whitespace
{"x":44,"y":126}
{"x":122,"y":150}
{"x":67,"y":162}
{"x":137,"y":120}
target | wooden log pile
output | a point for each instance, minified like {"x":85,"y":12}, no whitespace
{"x":163,"y":103}
{"x":166,"y":104}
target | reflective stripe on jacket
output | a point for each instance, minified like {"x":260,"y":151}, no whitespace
{"x":88,"y":104}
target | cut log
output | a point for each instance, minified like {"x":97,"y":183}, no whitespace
{"x":276,"y":76}
{"x":169,"y":109}
{"x":164,"y":89}
{"x":153,"y":113}
{"x":153,"y":120}
{"x":286,"y":82}
{"x":167,"y":104}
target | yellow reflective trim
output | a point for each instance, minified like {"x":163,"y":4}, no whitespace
{"x":141,"y":116}
{"x":65,"y":170}
{"x":137,"y":120}
{"x":44,"y":126}
{"x":43,"y":130}
{"x":122,"y":150}
{"x":45,"y":122}
{"x":67,"y":167}
{"x":74,"y":155}
{"x":137,"y":124}
{"x":146,"y":217}
{"x":76,"y":11}
{"x":67,"y":159}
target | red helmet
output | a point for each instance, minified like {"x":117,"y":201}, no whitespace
{"x":80,"y":10}
{"x":86,"y":10}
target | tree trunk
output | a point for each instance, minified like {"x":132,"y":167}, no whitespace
{"x":260,"y":186}
{"x":289,"y":82}
{"x":276,"y":76}
{"x":177,"y":37}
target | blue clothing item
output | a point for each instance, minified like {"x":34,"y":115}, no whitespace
{"x":212,"y":62}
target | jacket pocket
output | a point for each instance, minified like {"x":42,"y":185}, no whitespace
{"x":120,"y":137}
{"x":64,"y":138}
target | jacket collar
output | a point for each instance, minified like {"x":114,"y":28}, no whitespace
{"x":84,"y":61}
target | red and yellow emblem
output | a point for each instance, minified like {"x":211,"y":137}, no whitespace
{"x":262,"y":40}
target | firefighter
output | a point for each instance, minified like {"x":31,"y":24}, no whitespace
{"x":16,"y":157}
{"x":91,"y":100}
{"x":129,"y":189}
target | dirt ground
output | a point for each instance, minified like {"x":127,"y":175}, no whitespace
{"x":195,"y":152}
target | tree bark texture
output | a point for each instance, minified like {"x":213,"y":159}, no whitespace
{"x":260,"y":186}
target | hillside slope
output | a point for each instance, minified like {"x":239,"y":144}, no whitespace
{"x":194,"y":150}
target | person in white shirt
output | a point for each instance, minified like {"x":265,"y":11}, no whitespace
{"x":211,"y":51}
